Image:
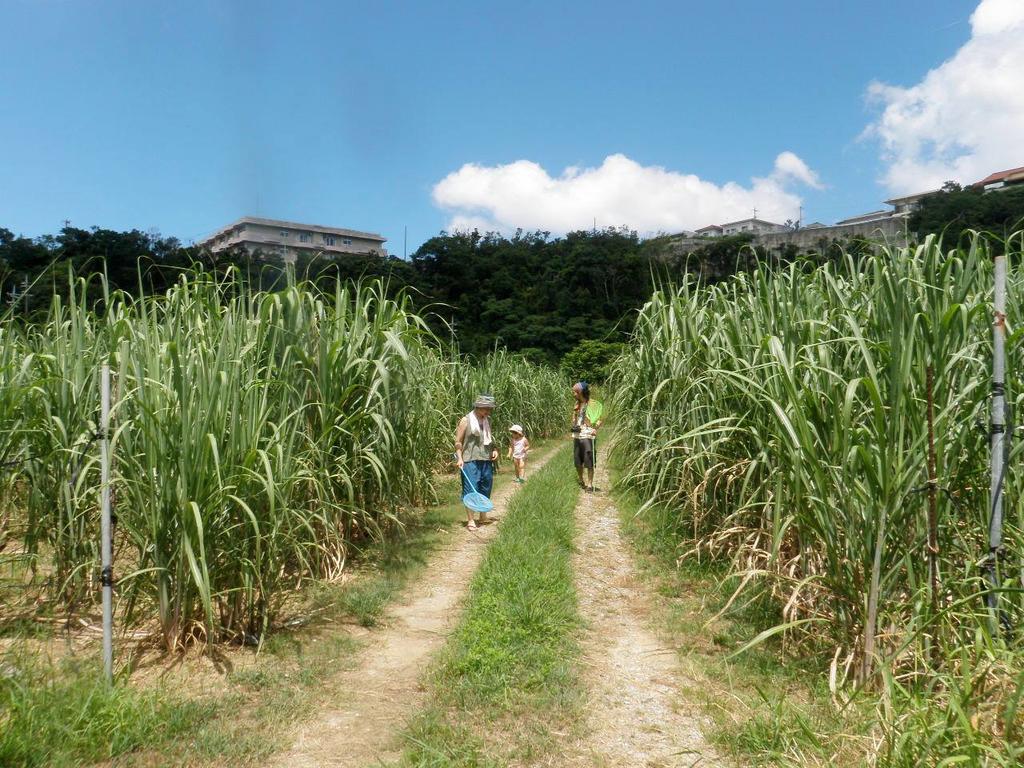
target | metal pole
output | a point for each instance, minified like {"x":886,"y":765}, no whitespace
{"x":107,"y":574}
{"x":998,"y":440}
{"x":933,"y":502}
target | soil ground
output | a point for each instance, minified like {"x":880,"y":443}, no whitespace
{"x":374,"y":700}
{"x":636,"y":715}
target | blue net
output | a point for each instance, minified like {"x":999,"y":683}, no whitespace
{"x":474,"y":500}
{"x":477,"y":502}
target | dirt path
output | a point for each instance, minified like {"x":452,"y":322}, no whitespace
{"x":635,"y":713}
{"x":376,"y":698}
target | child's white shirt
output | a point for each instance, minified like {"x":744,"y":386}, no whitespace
{"x":519,"y":448}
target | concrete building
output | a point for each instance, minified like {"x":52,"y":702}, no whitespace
{"x":287,"y":239}
{"x":885,"y":226}
{"x":888,"y":226}
{"x":909,"y":203}
{"x":712,"y":230}
{"x":889,"y":229}
{"x":866,"y":218}
{"x":753,"y":226}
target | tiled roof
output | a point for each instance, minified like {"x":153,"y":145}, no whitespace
{"x":1014,"y":174}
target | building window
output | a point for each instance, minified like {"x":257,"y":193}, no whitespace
{"x":283,"y":233}
{"x":346,"y":240}
{"x":305,"y":237}
{"x":329,"y":240}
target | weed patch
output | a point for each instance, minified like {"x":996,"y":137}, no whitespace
{"x":769,"y":708}
{"x":70,"y":716}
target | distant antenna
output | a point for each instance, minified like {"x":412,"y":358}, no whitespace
{"x":67,"y":223}
{"x":755,"y":211}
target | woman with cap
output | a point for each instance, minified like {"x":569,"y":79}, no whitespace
{"x":583,"y":433}
{"x":475,"y":451}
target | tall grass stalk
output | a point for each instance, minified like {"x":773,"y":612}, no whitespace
{"x":256,"y":436}
{"x":784,"y":414}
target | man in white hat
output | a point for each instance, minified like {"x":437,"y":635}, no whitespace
{"x":475,"y":452}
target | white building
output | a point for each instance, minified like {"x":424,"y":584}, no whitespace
{"x":287,"y":239}
{"x":712,"y":230}
{"x":906,"y":205}
{"x":754,"y":226}
{"x":867,"y":218}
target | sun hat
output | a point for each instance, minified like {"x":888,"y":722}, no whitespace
{"x":484,"y":401}
{"x":516,"y":428}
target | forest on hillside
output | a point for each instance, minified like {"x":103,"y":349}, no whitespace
{"x":529,"y":292}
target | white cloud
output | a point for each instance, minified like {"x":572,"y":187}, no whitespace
{"x":965,"y":119}
{"x":788,"y":165}
{"x":618,"y":192}
{"x":993,"y":17}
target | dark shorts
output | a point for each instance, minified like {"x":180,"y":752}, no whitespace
{"x":583,"y":453}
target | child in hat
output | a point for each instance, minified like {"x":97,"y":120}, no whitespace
{"x":518,"y":448}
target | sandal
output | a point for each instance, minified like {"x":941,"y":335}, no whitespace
{"x":471,"y":525}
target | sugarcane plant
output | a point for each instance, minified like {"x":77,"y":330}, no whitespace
{"x":256,"y":437}
{"x":813,"y":425}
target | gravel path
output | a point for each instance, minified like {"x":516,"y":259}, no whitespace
{"x":635,"y":715}
{"x":376,"y":698}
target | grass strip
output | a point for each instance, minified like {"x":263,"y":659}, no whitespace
{"x":387,"y":566}
{"x":55,"y":714}
{"x":508,"y":675}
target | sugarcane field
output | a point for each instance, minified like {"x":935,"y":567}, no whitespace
{"x":592,"y":429}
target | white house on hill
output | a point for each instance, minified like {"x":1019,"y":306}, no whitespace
{"x":753,"y":226}
{"x":287,"y":239}
{"x":712,"y":230}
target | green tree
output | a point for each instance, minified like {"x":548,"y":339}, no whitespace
{"x":955,"y":210}
{"x":532,"y":291}
{"x":591,"y":360}
{"x":721,"y":257}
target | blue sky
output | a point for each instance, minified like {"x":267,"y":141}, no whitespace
{"x":184,"y":116}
